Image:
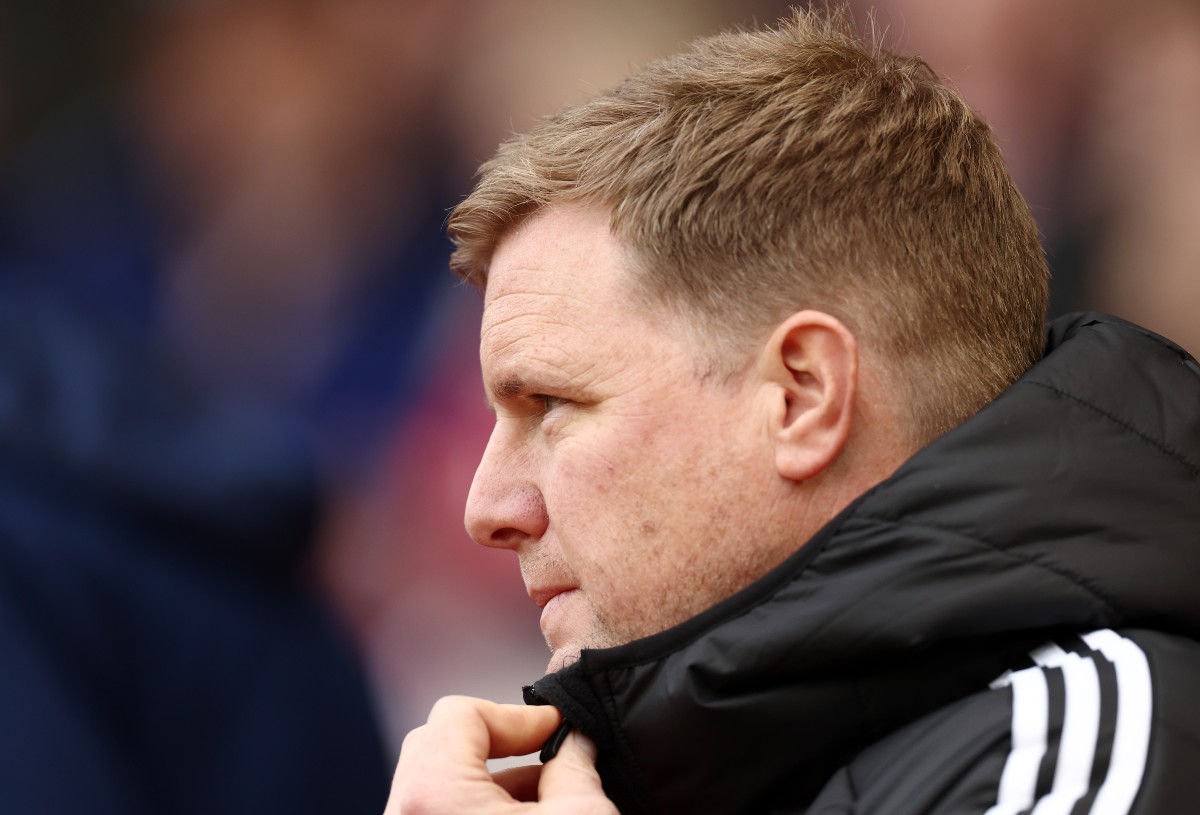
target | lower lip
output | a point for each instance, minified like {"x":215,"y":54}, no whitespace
{"x":554,"y":608}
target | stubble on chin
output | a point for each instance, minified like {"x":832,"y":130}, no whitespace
{"x":599,"y":635}
{"x":562,"y":658}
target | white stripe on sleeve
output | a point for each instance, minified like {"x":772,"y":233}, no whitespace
{"x":1080,"y":730}
{"x":1030,"y":714}
{"x":1131,"y":743}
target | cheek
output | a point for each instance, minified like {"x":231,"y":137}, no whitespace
{"x":607,"y":506}
{"x":603,"y":460}
{"x":641,"y":478}
{"x":582,"y":496}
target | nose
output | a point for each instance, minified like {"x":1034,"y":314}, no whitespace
{"x":505,"y":506}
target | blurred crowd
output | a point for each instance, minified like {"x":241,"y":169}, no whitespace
{"x":239,"y":385}
{"x":1097,"y":108}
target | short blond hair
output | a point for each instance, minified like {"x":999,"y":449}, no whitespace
{"x":759,"y":172}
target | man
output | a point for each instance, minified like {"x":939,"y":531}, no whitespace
{"x":813,"y":524}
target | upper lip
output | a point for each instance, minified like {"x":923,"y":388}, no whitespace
{"x":541,"y":596}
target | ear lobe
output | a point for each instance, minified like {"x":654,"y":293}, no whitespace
{"x":811,"y":360}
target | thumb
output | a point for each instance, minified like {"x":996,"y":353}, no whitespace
{"x":572,"y":772}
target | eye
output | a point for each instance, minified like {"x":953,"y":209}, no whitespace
{"x":548,"y":403}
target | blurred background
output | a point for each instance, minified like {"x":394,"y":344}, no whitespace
{"x":239,"y":399}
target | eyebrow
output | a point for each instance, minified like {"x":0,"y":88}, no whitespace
{"x":509,"y":387}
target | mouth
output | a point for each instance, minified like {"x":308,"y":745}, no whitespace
{"x":559,"y":618}
{"x":541,"y":597}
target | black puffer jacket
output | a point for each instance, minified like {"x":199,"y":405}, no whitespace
{"x":1011,"y":619}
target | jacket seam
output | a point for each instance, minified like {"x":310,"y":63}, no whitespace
{"x":1161,"y":446}
{"x":1066,"y":574}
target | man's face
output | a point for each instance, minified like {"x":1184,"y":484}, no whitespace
{"x":635,"y":490}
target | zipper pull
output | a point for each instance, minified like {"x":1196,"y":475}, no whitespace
{"x":555,"y":742}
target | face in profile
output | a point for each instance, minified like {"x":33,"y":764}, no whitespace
{"x":635,"y":490}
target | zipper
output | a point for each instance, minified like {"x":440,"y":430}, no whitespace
{"x":618,"y":786}
{"x":555,"y":742}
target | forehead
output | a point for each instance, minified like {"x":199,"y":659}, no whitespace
{"x":561,"y":269}
{"x":563,"y":313}
{"x":561,"y":251}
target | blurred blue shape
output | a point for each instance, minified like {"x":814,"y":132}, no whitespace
{"x":162,"y":649}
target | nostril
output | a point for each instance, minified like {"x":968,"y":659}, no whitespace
{"x":503,"y":508}
{"x":507,"y":538}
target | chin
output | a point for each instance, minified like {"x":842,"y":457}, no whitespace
{"x":561,"y":658}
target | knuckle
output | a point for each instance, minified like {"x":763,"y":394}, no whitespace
{"x":446,"y":703}
{"x":450,"y":706}
{"x":412,"y":739}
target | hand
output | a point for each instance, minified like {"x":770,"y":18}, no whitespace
{"x":443,"y":764}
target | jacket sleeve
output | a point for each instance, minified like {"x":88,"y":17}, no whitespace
{"x":1102,"y":723}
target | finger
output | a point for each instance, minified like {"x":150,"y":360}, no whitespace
{"x":412,"y":752}
{"x":478,"y":729}
{"x":520,"y":782}
{"x":443,"y":763}
{"x":463,"y":732}
{"x":572,"y":771}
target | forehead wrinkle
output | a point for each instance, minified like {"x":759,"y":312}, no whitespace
{"x":526,"y":292}
{"x":504,"y":345}
{"x":516,"y":362}
{"x":541,"y":321}
{"x":544,"y":309}
{"x":501,"y":311}
{"x":532,"y":325}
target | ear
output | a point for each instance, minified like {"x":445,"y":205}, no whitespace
{"x":810,"y":364}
